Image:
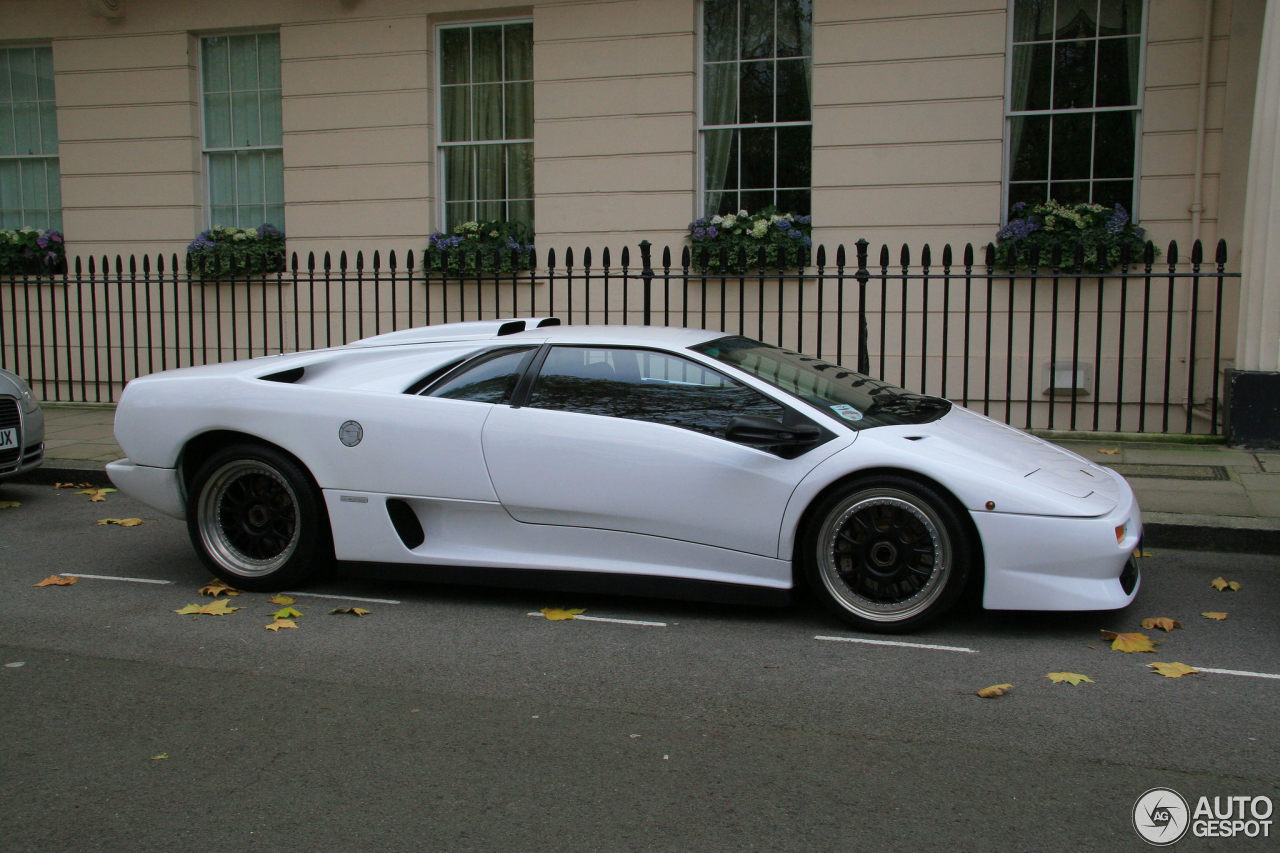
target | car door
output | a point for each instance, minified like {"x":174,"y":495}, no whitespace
{"x":633,"y":440}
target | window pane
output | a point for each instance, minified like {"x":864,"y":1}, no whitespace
{"x":758,"y":158}
{"x":215,"y":71}
{"x":795,"y":201}
{"x":756,"y":92}
{"x":795,"y":159}
{"x":455,"y":113}
{"x":244,"y":62}
{"x":1032,"y":76}
{"x":217,"y":121}
{"x":1121,"y":18}
{"x":6,"y":94}
{"x":22,"y":74}
{"x":1111,"y":193}
{"x":1077,"y":19}
{"x":486,"y":57}
{"x":1029,"y":147}
{"x":48,"y":128}
{"x":795,"y":28}
{"x":1072,"y":147}
{"x":1118,"y":72}
{"x":490,"y":381}
{"x":491,"y":173}
{"x":519,"y":111}
{"x":518,"y":43}
{"x":487,"y":119}
{"x":520,"y":170}
{"x":1069,"y":192}
{"x":26,"y":128}
{"x":246,"y":122}
{"x":1032,"y":20}
{"x":793,"y":90}
{"x":1028,"y":194}
{"x":455,"y":56}
{"x":268,"y":61}
{"x":10,"y":194}
{"x":757,"y":29}
{"x":1073,"y":63}
{"x":1113,"y":145}
{"x":720,"y":25}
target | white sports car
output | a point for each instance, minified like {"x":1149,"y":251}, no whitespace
{"x":624,"y":458}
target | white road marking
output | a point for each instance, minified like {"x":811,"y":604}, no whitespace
{"x":897,"y":643}
{"x":109,"y":578}
{"x":582,"y":618}
{"x":343,"y":597}
{"x":1239,"y":672}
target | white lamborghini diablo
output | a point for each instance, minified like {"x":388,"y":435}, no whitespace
{"x":621,"y":458}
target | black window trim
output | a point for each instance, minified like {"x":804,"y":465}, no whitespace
{"x":426,"y":386}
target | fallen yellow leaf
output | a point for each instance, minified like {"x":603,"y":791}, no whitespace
{"x":123,"y":522}
{"x":217,"y":587}
{"x":554,"y":614}
{"x":353,"y":611}
{"x":994,"y":690}
{"x":10,"y":504}
{"x":286,"y":613}
{"x":1072,"y":678}
{"x":57,"y":580}
{"x":1216,"y":615}
{"x":1140,"y":554}
{"x":161,"y":757}
{"x":1129,"y":642}
{"x":221,"y":607}
{"x":1222,"y":585}
{"x":73,"y":486}
{"x":1164,"y":623}
{"x":1110,"y":452}
{"x":281,"y":623}
{"x":96,"y":495}
{"x":280,"y":598}
{"x":1173,"y":670}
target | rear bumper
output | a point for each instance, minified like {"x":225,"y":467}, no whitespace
{"x":1053,"y":563}
{"x":156,"y":487}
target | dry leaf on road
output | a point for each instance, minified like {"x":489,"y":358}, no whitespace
{"x":57,"y":580}
{"x":1223,"y":585}
{"x":352,"y":611}
{"x":281,"y":623}
{"x":1215,"y":615}
{"x":555,"y":614}
{"x":1173,"y":670}
{"x":122,"y":522}
{"x":217,"y":587}
{"x":221,"y":607}
{"x":1164,"y":623}
{"x":994,"y":690}
{"x":1068,"y":677}
{"x":1129,"y":642}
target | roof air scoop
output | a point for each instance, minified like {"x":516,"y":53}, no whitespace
{"x":511,"y":328}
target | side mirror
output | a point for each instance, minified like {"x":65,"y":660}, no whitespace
{"x":770,"y":434}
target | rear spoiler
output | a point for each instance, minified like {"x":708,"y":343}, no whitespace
{"x":472,"y":330}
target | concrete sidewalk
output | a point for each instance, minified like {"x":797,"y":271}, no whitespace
{"x":1193,"y":494}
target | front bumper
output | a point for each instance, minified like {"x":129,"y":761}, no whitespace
{"x":1054,"y":563}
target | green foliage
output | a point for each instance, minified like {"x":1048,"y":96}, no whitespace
{"x":739,"y":237}
{"x":223,"y":252}
{"x":1103,"y":232}
{"x":29,"y":251}
{"x":480,"y":247}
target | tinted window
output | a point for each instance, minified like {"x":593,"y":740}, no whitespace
{"x":489,"y":379}
{"x":858,"y":400}
{"x":645,"y":386}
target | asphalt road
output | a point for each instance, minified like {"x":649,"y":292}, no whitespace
{"x":452,"y":719}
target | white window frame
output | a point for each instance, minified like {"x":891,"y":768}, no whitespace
{"x":1009,"y":114}
{"x":205,"y":150}
{"x":55,"y":222}
{"x":700,"y":202}
{"x":440,"y":144}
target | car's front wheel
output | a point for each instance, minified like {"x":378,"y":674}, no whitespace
{"x":887,"y":554}
{"x":256,"y":519}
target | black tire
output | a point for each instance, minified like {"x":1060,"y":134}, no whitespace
{"x":256,"y":519}
{"x":887,"y":554}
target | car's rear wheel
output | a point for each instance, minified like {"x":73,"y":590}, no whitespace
{"x":256,"y":519}
{"x":888,"y":554}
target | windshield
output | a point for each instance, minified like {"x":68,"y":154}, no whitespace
{"x":859,"y":401}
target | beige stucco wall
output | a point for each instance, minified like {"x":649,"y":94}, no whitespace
{"x":908,"y":118}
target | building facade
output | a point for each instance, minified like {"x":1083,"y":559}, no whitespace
{"x":133,"y":125}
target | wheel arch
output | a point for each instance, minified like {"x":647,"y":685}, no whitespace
{"x":199,"y":449}
{"x":806,"y":519}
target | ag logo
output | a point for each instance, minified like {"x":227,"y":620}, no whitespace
{"x":1161,"y":816}
{"x":350,"y":433}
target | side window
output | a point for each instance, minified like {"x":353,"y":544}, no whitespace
{"x":645,"y":386}
{"x":489,"y":379}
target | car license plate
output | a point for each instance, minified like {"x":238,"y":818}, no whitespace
{"x":8,"y":438}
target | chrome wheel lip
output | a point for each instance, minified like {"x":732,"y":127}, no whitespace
{"x":900,"y":502}
{"x":218,"y":508}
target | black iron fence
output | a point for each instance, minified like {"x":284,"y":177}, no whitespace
{"x":1050,"y":346}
